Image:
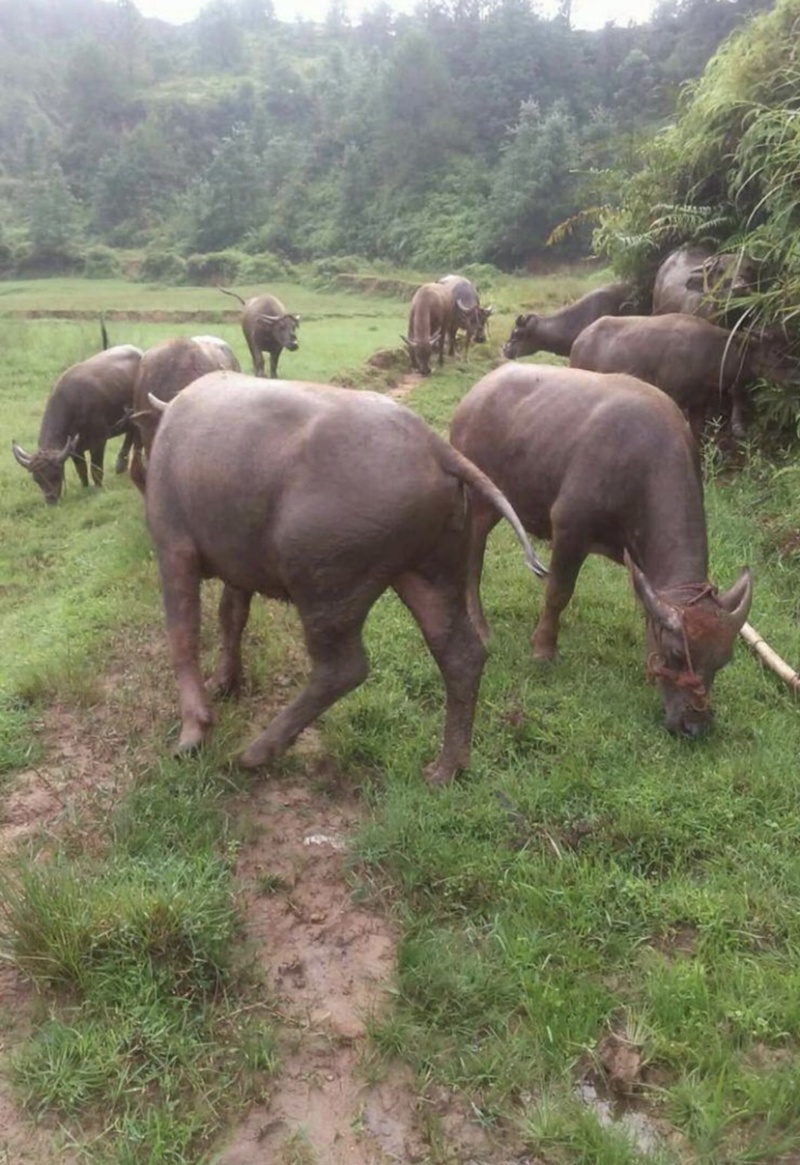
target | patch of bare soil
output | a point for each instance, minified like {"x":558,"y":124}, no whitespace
{"x":328,"y":963}
{"x":405,"y":385}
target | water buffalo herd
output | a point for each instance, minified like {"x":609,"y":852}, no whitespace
{"x":326,"y":497}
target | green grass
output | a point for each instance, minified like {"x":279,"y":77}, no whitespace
{"x":589,"y":875}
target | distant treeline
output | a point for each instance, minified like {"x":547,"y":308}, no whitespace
{"x":464,"y":133}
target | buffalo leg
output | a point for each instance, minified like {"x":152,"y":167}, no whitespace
{"x":234,"y":610}
{"x":440,"y":608}
{"x":566,"y":561}
{"x":180,"y":581}
{"x":121,"y":464}
{"x":79,"y":461}
{"x":96,"y":458}
{"x":137,"y":470}
{"x":273,"y":364}
{"x":339,"y":665}
{"x":483,"y":520}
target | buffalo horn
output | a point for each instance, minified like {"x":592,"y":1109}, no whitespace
{"x":488,"y":310}
{"x":460,"y":305}
{"x":22,"y":457}
{"x":435,"y":339}
{"x":70,"y":446}
{"x":659,"y":611}
{"x":270,"y":319}
{"x":160,"y":406}
{"x":408,"y":343}
{"x":737,"y":600}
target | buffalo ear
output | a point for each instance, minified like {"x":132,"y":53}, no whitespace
{"x":655,"y":608}
{"x":520,"y":323}
{"x":488,"y":310}
{"x":22,"y":457}
{"x":737,"y":600}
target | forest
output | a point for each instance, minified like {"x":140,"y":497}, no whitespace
{"x":464,"y":133}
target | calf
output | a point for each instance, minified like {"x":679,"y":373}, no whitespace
{"x":607,"y":465}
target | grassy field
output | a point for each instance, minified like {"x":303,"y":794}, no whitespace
{"x":600,"y":925}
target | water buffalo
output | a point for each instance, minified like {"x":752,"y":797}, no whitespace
{"x":698,"y":282}
{"x":429,"y":321}
{"x":165,"y":370}
{"x":705,"y":369}
{"x":468,"y":315}
{"x":556,"y":333}
{"x":267,"y":327}
{"x":607,"y":465}
{"x":323,"y":497}
{"x":89,"y":403}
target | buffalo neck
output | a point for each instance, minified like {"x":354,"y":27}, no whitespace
{"x":670,"y":542}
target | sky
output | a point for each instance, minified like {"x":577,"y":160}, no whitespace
{"x":585,"y":13}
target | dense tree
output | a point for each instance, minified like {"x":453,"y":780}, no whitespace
{"x":465,"y":130}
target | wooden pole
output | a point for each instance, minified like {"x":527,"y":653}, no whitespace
{"x":771,"y":658}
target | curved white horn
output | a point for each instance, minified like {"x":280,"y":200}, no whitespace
{"x":160,"y":406}
{"x":22,"y":457}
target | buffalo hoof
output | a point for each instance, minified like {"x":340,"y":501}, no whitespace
{"x":256,"y":756}
{"x":183,"y":750}
{"x":224,"y":687}
{"x":440,"y":774}
{"x":544,"y":654}
{"x":121,"y":465}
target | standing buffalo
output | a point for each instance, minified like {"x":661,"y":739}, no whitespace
{"x":267,"y":327}
{"x":429,"y":321}
{"x":705,"y":369}
{"x":607,"y":465}
{"x":88,"y":404}
{"x":698,"y":282}
{"x":165,"y":370}
{"x":556,"y":333}
{"x":468,"y":315}
{"x":323,"y":497}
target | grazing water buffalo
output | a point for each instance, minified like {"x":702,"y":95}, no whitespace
{"x":698,"y":282}
{"x":705,"y":369}
{"x":165,"y":370}
{"x":89,"y":403}
{"x":556,"y":333}
{"x":429,"y":321}
{"x":607,"y":465}
{"x":323,"y":497}
{"x":468,"y":315}
{"x":267,"y":327}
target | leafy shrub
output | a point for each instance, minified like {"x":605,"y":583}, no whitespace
{"x":262,"y":268}
{"x":214,"y":267}
{"x":101,"y":262}
{"x":163,"y":267}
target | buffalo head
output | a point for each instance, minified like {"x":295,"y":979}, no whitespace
{"x":421,"y":351}
{"x":522,"y":341}
{"x":723,"y":275}
{"x":47,"y":466}
{"x":691,"y":630}
{"x":282,"y":329}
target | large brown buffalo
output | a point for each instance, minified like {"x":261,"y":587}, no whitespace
{"x":429,"y":322}
{"x":607,"y":465}
{"x":267,"y":327}
{"x":699,"y":282}
{"x":88,"y":404}
{"x":468,"y":315}
{"x":705,"y":369}
{"x":323,"y":497}
{"x":165,"y":370}
{"x":556,"y":333}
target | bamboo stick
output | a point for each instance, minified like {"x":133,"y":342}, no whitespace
{"x":771,"y":658}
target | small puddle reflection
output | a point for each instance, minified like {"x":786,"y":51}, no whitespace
{"x":637,"y":1126}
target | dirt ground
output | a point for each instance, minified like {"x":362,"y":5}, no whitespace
{"x":327,"y":962}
